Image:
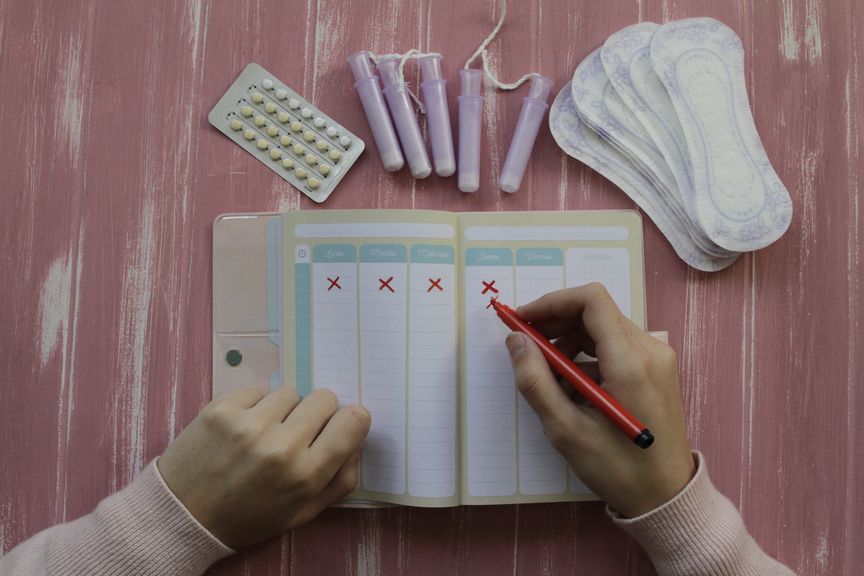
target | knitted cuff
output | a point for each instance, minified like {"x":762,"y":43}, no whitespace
{"x":699,"y":531}
{"x":143,"y":529}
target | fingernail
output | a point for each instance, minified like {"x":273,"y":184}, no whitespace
{"x":515,"y":344}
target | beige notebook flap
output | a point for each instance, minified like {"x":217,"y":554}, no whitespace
{"x":245,"y":328}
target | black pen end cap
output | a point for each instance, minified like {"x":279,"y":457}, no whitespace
{"x":644,"y":439}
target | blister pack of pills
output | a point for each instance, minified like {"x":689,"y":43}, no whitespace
{"x":286,"y":132}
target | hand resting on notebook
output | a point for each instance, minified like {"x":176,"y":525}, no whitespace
{"x":246,"y":475}
{"x":638,"y":370}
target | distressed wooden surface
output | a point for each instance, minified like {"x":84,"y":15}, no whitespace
{"x":111,"y":177}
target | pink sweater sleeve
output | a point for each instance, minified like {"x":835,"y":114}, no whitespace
{"x":699,"y":532}
{"x":143,"y":529}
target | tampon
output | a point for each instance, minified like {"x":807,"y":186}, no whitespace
{"x":404,"y":117}
{"x":533,"y":109}
{"x":437,"y":115}
{"x":369,"y":91}
{"x":470,"y":122}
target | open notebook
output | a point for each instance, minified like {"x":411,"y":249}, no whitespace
{"x":391,"y":309}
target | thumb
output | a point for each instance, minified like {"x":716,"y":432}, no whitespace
{"x":538,"y":385}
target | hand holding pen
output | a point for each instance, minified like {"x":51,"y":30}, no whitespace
{"x":637,"y":370}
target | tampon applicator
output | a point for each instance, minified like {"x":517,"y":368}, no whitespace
{"x":369,"y":91}
{"x":404,"y":117}
{"x":437,"y":115}
{"x":533,"y":109}
{"x":470,"y":123}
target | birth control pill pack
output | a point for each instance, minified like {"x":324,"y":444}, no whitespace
{"x":286,"y":132}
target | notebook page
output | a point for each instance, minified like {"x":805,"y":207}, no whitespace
{"x":377,"y":325}
{"x":506,"y":457}
{"x":542,"y":470}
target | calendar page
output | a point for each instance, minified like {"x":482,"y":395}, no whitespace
{"x":390,"y":308}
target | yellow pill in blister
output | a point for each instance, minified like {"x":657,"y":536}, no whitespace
{"x":272,"y":130}
{"x":309,"y":136}
{"x":270,"y":108}
{"x":296,"y":126}
{"x":300,"y":172}
{"x":249,"y":134}
{"x":313,"y":183}
{"x":298,"y":149}
{"x":335,"y":155}
{"x":246,"y":111}
{"x":321,"y":145}
{"x":262,"y":144}
{"x":275,"y":154}
{"x":235,"y":124}
{"x":285,"y":140}
{"x":287,"y":163}
{"x":311,"y":159}
{"x":283,"y":117}
{"x":257,"y":98}
{"x":324,"y":169}
{"x":260,"y":120}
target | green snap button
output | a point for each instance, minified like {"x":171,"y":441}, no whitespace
{"x":233,"y":357}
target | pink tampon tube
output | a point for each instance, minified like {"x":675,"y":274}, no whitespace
{"x":470,"y":122}
{"x":533,"y":109}
{"x":404,"y":118}
{"x":437,"y":115}
{"x":369,"y":91}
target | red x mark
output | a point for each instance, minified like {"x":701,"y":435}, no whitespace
{"x":333,"y":283}
{"x":493,"y":299}
{"x":386,"y":284}
{"x":487,"y":286}
{"x":434,"y":284}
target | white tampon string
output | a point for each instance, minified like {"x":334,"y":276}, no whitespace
{"x":482,"y":47}
{"x":412,"y":54}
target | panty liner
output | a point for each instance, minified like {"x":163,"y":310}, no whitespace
{"x":584,"y":144}
{"x":662,"y":112}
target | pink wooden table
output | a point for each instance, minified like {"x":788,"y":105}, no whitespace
{"x":111,"y":177}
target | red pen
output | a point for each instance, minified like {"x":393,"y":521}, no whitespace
{"x":580,"y":381}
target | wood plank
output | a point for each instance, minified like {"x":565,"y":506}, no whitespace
{"x":112,"y":178}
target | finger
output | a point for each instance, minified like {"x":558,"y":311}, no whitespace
{"x":245,"y":397}
{"x":278,"y":404}
{"x":600,"y":316}
{"x":343,"y":483}
{"x":538,"y":385}
{"x":343,"y":436}
{"x":310,"y":416}
{"x":571,"y":345}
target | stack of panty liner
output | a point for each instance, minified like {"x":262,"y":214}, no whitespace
{"x":662,"y":112}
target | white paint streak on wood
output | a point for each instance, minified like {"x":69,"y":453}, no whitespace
{"x":812,"y":31}
{"x":690,"y":355}
{"x":748,"y":375}
{"x":134,"y":315}
{"x":810,"y":165}
{"x":308,"y":62}
{"x":330,"y":43}
{"x":180,"y":280}
{"x":68,"y":379}
{"x":321,"y":31}
{"x":666,"y":11}
{"x":67,"y":124}
{"x":564,"y":173}
{"x":788,"y":33}
{"x":137,"y":288}
{"x":54,"y":307}
{"x":853,"y":118}
{"x":369,"y":546}
{"x":822,"y":552}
